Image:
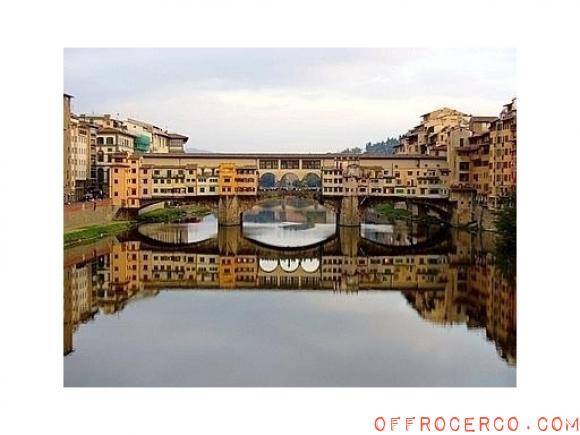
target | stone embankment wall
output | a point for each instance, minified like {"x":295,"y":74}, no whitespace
{"x":82,"y":253}
{"x":485,"y":218}
{"x":82,"y":214}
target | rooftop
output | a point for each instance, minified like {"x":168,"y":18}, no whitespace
{"x":483,"y":118}
{"x":110,"y":130}
{"x":336,"y":156}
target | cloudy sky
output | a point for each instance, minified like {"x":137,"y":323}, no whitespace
{"x":309,"y":100}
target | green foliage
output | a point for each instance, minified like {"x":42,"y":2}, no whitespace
{"x":383,"y":147}
{"x":95,"y":232}
{"x":506,"y":241}
{"x":173,"y":214}
{"x":389,"y":210}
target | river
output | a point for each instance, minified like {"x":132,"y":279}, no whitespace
{"x":289,"y":299}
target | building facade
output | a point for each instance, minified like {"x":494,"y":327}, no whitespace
{"x":138,"y":178}
{"x":480,"y":152}
{"x":68,"y":178}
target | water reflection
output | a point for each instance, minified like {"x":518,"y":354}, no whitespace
{"x":307,"y":338}
{"x":182,"y":233}
{"x":289,"y":222}
{"x":400,"y":232}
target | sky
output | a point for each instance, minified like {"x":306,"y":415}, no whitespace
{"x":287,"y":99}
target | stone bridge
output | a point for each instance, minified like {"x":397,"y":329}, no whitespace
{"x":230,"y":184}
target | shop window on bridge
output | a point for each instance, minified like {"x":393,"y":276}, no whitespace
{"x":290,"y":164}
{"x":311,"y":164}
{"x":268,"y":164}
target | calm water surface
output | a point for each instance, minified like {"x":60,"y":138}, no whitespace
{"x":188,"y":305}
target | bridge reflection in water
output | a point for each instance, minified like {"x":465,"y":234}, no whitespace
{"x":452,"y":281}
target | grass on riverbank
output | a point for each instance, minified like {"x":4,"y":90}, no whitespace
{"x":173,"y":214}
{"x":95,"y":232}
{"x":389,"y":210}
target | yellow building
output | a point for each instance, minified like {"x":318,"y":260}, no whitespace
{"x":246,"y":180}
{"x":227,"y":179}
{"x":432,"y":135}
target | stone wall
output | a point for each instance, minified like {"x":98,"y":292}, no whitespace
{"x":82,"y":214}
{"x":485,"y":218}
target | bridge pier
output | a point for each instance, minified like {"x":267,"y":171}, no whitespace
{"x":349,"y":215}
{"x":228,"y":240}
{"x":462,"y":210}
{"x":349,"y":238}
{"x":229,"y":213}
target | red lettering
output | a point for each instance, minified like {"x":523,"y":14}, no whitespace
{"x":511,"y":426}
{"x":572,"y":425}
{"x":380,"y":424}
{"x":394,"y":422}
{"x":482,"y":424}
{"x":545,"y":428}
{"x":469,"y":424}
{"x":557,"y":429}
{"x":409,"y":422}
{"x":454,"y":428}
{"x":425,"y":421}
{"x":499,"y":429}
{"x":442,"y":420}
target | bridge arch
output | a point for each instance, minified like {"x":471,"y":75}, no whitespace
{"x":289,"y":180}
{"x":267,"y":181}
{"x":310,"y":265}
{"x":267,"y":265}
{"x":312,"y":180}
{"x":289,"y":264}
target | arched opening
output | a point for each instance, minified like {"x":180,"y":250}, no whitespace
{"x":268,"y":181}
{"x":289,"y":222}
{"x":290,"y":181}
{"x":393,"y":222}
{"x":312,"y":181}
{"x":181,"y":233}
{"x":289,"y":264}
{"x":310,"y":265}
{"x":267,"y":265}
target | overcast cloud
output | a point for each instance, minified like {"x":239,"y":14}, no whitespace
{"x":304,"y":100}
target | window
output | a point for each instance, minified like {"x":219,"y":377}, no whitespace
{"x":310,"y":164}
{"x":290,"y":164}
{"x":109,"y":141}
{"x":268,"y":164}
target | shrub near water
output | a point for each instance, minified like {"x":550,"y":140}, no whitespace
{"x":389,"y":210}
{"x":173,"y":214}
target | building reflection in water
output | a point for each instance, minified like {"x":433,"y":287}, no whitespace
{"x":455,"y":282}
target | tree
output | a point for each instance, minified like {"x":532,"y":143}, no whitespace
{"x":506,"y":241}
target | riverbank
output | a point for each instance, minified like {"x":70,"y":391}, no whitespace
{"x":188,"y":213}
{"x":95,"y":232}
